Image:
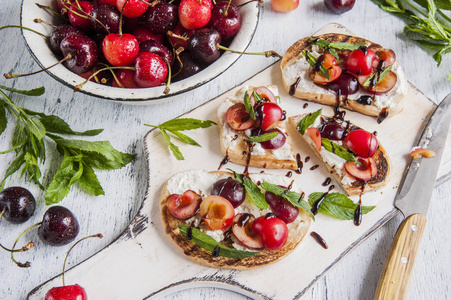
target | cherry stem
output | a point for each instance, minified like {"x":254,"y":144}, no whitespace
{"x":168,"y":81}
{"x":171,"y":34}
{"x":9,"y":75}
{"x":19,"y":264}
{"x":24,"y":248}
{"x":227,"y":9}
{"x":98,"y":235}
{"x":21,"y":27}
{"x":49,"y":8}
{"x":79,"y":86}
{"x":245,"y":3}
{"x":121,"y":17}
{"x":270,"y":53}
{"x":177,"y":55}
{"x":44,"y":22}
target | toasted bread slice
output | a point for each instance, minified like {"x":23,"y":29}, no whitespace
{"x":334,"y":164}
{"x":201,"y":181}
{"x":297,"y":82}
{"x":235,"y":148}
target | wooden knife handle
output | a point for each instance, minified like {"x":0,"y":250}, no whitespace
{"x":394,"y":279}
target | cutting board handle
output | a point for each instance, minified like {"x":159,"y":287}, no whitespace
{"x":394,"y":279}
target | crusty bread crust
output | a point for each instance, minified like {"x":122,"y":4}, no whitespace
{"x":204,"y":257}
{"x":357,"y":187}
{"x":295,"y":53}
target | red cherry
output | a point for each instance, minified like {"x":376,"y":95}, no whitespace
{"x":144,"y":34}
{"x":181,"y":31}
{"x":226,"y":19}
{"x":383,"y":86}
{"x":120,"y":50}
{"x":151,"y":70}
{"x":360,"y":61}
{"x":133,"y":8}
{"x":362,"y":143}
{"x":266,"y":94}
{"x":67,"y":292}
{"x":110,"y":2}
{"x":268,"y":114}
{"x":273,"y":231}
{"x":327,"y":61}
{"x":83,"y":50}
{"x":315,"y":135}
{"x":183,"y":206}
{"x":80,"y":15}
{"x":125,"y":77}
{"x":238,"y":118}
{"x":366,"y":170}
{"x":217,"y":212}
{"x":195,"y":14}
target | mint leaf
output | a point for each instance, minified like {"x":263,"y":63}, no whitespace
{"x":377,"y":77}
{"x":184,"y":138}
{"x":257,"y":97}
{"x":3,"y":120}
{"x":36,"y":127}
{"x":263,"y":137}
{"x":254,"y":192}
{"x":90,"y":182}
{"x":338,"y":205}
{"x":338,"y":150}
{"x":182,"y":124}
{"x":33,"y":92}
{"x":206,"y":242}
{"x":313,"y":61}
{"x":292,"y":197}
{"x":308,"y":121}
{"x":248,"y":106}
{"x":61,"y":183}
{"x":13,"y":167}
{"x":174,"y":149}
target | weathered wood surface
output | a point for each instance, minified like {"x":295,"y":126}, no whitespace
{"x":354,"y":277}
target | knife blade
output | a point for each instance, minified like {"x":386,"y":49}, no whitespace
{"x":412,"y":200}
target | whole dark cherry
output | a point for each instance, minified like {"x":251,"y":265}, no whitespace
{"x":18,"y":203}
{"x":105,"y":19}
{"x":226,"y":19}
{"x":203,"y":45}
{"x":161,"y":17}
{"x":346,"y":84}
{"x":59,"y":33}
{"x":84,"y":53}
{"x":59,"y":226}
{"x":189,"y":66}
{"x":339,"y":6}
{"x":230,"y":189}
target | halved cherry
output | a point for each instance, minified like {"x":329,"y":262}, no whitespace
{"x":366,"y":170}
{"x":217,"y":212}
{"x":268,"y":114}
{"x":183,"y":206}
{"x":383,"y":86}
{"x":273,"y":231}
{"x":360,"y":61}
{"x":387,"y":55}
{"x":315,"y":135}
{"x":361,"y":142}
{"x":238,"y":118}
{"x":327,"y":61}
{"x":242,"y":230}
{"x":263,"y":91}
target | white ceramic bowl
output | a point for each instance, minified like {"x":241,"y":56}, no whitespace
{"x":39,"y":49}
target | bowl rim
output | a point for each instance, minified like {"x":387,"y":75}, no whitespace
{"x":155,"y":94}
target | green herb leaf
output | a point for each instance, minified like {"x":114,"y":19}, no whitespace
{"x":338,"y":206}
{"x":346,"y":46}
{"x":377,"y":77}
{"x":263,"y":137}
{"x":61,"y":183}
{"x":308,"y":121}
{"x":254,"y":192}
{"x":292,"y":197}
{"x":184,"y":138}
{"x":36,"y":127}
{"x":338,"y":150}
{"x":206,"y":242}
{"x":257,"y":97}
{"x":313,"y":63}
{"x":182,"y":124}
{"x":13,"y":167}
{"x":331,"y":47}
{"x":33,"y":92}
{"x":174,"y":149}
{"x":248,"y":106}
{"x":90,"y":182}
{"x":3,"y":120}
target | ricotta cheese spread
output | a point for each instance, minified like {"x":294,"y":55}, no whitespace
{"x":392,"y":99}
{"x":202,"y":181}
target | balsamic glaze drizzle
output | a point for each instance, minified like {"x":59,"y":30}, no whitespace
{"x":319,"y":239}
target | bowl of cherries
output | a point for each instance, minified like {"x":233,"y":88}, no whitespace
{"x":137,"y":50}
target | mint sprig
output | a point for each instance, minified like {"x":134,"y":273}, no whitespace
{"x":181,"y":124}
{"x":338,"y":150}
{"x":332,"y":47}
{"x":79,"y":156}
{"x":252,"y":190}
{"x":294,"y":198}
{"x":248,"y":106}
{"x":338,"y":205}
{"x":206,"y":242}
{"x":308,"y":121}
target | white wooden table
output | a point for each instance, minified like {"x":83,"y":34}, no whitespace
{"x":354,"y":277}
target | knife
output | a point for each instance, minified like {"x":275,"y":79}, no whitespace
{"x":412,"y":200}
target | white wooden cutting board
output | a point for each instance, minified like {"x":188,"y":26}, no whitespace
{"x":143,"y":262}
